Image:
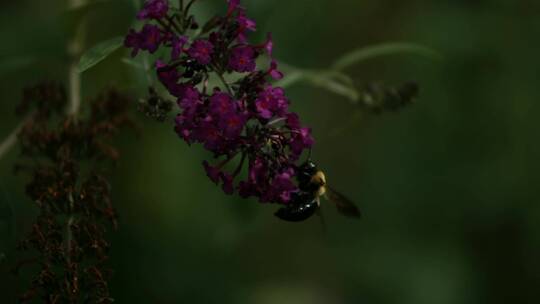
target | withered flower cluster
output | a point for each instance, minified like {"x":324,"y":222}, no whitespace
{"x":379,"y":97}
{"x":63,"y":154}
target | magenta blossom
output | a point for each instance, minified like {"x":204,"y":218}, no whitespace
{"x":178,"y":46}
{"x":154,"y":9}
{"x":271,"y":102}
{"x":213,"y":173}
{"x":149,"y":39}
{"x":243,"y":59}
{"x":245,"y":122}
{"x":201,"y":50}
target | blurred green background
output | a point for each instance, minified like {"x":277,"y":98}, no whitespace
{"x":448,"y":186}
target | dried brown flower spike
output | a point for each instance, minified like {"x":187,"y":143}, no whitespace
{"x":68,"y":238}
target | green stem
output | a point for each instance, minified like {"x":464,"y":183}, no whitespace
{"x":188,"y":7}
{"x":220,"y":75}
{"x":240,"y":165}
{"x":74,"y":89}
{"x":75,"y":47}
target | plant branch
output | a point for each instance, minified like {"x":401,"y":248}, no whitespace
{"x":74,"y":89}
{"x":220,"y":75}
{"x":75,"y":47}
{"x":10,"y":141}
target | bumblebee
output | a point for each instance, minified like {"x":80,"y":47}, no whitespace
{"x":306,"y":202}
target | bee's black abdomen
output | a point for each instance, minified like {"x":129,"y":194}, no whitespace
{"x":297,"y":213}
{"x":299,"y":209}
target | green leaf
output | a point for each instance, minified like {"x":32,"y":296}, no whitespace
{"x":373,"y":51}
{"x":99,"y":52}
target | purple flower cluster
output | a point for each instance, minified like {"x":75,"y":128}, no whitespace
{"x":247,"y":119}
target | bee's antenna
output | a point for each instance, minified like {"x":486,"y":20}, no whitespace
{"x":309,"y":154}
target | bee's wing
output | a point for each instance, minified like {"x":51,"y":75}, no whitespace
{"x":321,"y":217}
{"x":344,"y":205}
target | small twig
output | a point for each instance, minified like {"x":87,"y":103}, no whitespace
{"x":240,"y":165}
{"x":171,"y":22}
{"x":275,"y":121}
{"x":188,"y":7}
{"x":229,"y":90}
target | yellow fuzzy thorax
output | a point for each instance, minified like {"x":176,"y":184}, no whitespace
{"x":319,"y":179}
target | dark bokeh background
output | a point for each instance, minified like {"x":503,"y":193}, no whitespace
{"x":449,"y":186}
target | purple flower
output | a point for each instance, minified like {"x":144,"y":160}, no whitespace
{"x":301,"y":140}
{"x":178,"y":46}
{"x":189,"y":100}
{"x":281,"y":188}
{"x":232,"y":124}
{"x":232,"y":119}
{"x":293,"y":121}
{"x":221,"y":103}
{"x":257,"y":171}
{"x":271,"y":102}
{"x":154,"y":9}
{"x":228,"y":186}
{"x":224,"y":109}
{"x":184,"y":127}
{"x":244,"y":25}
{"x":242,"y":59}
{"x":269,"y":47}
{"x":201,"y":50}
{"x":208,"y":133}
{"x":257,"y":179}
{"x":273,"y":71}
{"x":213,"y":173}
{"x":149,"y":38}
{"x":269,"y":44}
{"x":167,"y":75}
{"x":132,"y":41}
{"x":233,"y":5}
